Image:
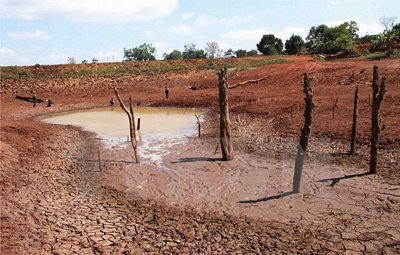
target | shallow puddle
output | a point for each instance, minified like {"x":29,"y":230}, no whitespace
{"x":160,"y":127}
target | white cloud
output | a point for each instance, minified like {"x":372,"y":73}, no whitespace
{"x":25,"y":35}
{"x":107,"y":56}
{"x":10,"y":57}
{"x":287,"y":32}
{"x":187,"y":16}
{"x":94,"y":11}
{"x":161,"y":48}
{"x":364,"y":28}
{"x":204,"y":21}
{"x":181,"y":30}
{"x":251,"y":37}
{"x":55,"y":57}
{"x":245,"y":35}
{"x":148,"y":33}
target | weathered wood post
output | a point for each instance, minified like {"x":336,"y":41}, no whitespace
{"x":131,"y":123}
{"x":138,"y":124}
{"x":305,"y":134}
{"x":198,"y":124}
{"x":334,"y":104}
{"x":98,"y":155}
{"x":377,"y":96}
{"x":225,"y":134}
{"x":354,"y":127}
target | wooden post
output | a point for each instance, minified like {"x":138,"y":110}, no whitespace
{"x":377,"y":96}
{"x":131,"y":123}
{"x":198,"y":124}
{"x":225,"y":134}
{"x":98,"y":155}
{"x":305,"y":134}
{"x":138,"y":124}
{"x":354,"y":127}
{"x":334,"y":104}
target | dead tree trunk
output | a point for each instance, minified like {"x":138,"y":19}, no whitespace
{"x":198,"y":124}
{"x":377,"y":96}
{"x":138,"y":124}
{"x":334,"y":104}
{"x":225,"y":123}
{"x":305,"y":134}
{"x":354,"y":127}
{"x":131,"y":123}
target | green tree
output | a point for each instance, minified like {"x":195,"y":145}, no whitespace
{"x":175,"y":54}
{"x":330,"y":40}
{"x":142,"y":53}
{"x":294,"y":44}
{"x":269,"y":45}
{"x":241,"y":53}
{"x":252,"y":53}
{"x":190,"y":52}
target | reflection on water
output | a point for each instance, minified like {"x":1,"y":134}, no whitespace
{"x":160,"y":128}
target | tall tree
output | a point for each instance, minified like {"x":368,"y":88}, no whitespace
{"x":330,"y":40}
{"x":190,"y":52}
{"x":241,"y":53}
{"x":144,"y":52}
{"x":175,"y":54}
{"x":212,"y":49}
{"x":269,"y":45}
{"x":294,"y":44}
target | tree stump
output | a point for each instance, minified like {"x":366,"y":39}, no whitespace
{"x":225,"y":123}
{"x":378,"y":91}
{"x":305,"y":134}
{"x":354,"y":126}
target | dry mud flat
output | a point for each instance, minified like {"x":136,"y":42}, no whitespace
{"x":55,"y":200}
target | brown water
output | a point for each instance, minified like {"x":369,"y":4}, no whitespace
{"x":160,"y":127}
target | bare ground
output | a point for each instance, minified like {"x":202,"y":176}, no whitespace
{"x":55,"y":200}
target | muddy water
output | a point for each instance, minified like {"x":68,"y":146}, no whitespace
{"x":160,"y":128}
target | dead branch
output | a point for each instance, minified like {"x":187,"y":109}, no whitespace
{"x":131,"y":123}
{"x":351,"y":79}
{"x":247,"y":82}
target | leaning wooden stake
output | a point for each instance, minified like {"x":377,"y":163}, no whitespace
{"x":334,"y":104}
{"x":305,"y":134}
{"x":98,"y":155}
{"x":131,"y":123}
{"x":198,"y":123}
{"x":225,"y":123}
{"x":377,"y":96}
{"x":354,"y":127}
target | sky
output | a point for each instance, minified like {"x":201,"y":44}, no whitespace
{"x":51,"y":31}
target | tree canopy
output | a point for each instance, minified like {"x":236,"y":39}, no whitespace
{"x":175,"y":54}
{"x":330,"y":40}
{"x":294,"y":44}
{"x":143,"y":53}
{"x":190,"y":52}
{"x":269,"y":45}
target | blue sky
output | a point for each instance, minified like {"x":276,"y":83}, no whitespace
{"x":50,"y":31}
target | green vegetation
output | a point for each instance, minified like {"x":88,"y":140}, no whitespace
{"x":294,"y":45}
{"x":143,"y":53}
{"x":330,"y":40}
{"x":269,"y":45}
{"x":190,"y":52}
